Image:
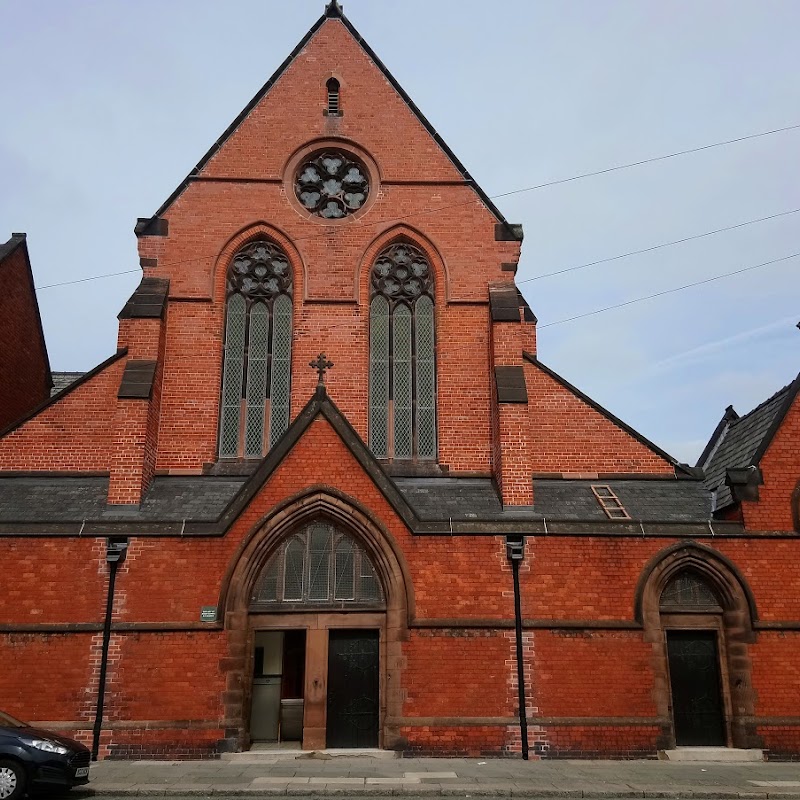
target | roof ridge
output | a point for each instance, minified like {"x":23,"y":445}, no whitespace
{"x":333,"y":13}
{"x":762,"y":404}
{"x":12,"y":244}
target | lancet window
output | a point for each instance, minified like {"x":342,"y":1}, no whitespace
{"x":256,"y":379}
{"x":402,"y":355}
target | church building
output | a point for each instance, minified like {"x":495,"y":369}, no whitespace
{"x":293,"y":503}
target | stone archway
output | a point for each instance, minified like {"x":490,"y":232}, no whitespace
{"x":725,"y":617}
{"x":243,"y":619}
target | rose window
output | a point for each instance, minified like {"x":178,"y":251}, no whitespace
{"x":332,"y":185}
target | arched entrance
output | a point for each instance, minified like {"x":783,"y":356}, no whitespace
{"x":316,"y":610}
{"x":698,"y":614}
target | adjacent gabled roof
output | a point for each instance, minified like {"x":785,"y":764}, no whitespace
{"x":56,"y":397}
{"x":208,"y":505}
{"x":740,"y":442}
{"x":16,"y":241}
{"x":683,"y":468}
{"x":332,"y":11}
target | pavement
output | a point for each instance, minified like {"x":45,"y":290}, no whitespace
{"x":323,"y":774}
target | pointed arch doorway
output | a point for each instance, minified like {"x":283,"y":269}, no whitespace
{"x":317,"y":610}
{"x":691,"y":614}
{"x":698,"y":613}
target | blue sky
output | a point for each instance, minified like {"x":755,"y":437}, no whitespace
{"x":108,"y":105}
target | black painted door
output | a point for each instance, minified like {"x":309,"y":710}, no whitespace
{"x":352,"y":689}
{"x":696,"y":695}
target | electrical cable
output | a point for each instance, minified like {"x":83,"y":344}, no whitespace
{"x":668,"y":291}
{"x":646,"y":161}
{"x":83,"y":280}
{"x":496,"y":196}
{"x":657,"y":246}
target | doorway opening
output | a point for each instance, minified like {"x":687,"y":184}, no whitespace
{"x":317,"y":568}
{"x":278,"y":695}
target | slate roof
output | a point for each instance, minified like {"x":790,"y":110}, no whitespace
{"x":63,"y":379}
{"x":204,"y":498}
{"x":57,"y":499}
{"x":644,"y":500}
{"x":451,"y":498}
{"x":48,"y":499}
{"x":739,"y":442}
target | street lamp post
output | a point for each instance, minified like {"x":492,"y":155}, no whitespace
{"x":515,"y":549}
{"x":116,"y":549}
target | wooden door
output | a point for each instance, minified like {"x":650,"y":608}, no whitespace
{"x":353,"y":683}
{"x":696,"y":696}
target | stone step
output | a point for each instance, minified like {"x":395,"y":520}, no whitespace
{"x":262,"y":755}
{"x":712,"y":754}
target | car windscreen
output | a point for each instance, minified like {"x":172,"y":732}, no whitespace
{"x":10,"y":722}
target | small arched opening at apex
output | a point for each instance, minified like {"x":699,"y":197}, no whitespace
{"x":334,"y":107}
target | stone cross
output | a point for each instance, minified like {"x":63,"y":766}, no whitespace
{"x":321,"y":365}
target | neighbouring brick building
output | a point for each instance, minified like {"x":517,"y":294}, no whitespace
{"x":320,"y":555}
{"x":24,"y":366}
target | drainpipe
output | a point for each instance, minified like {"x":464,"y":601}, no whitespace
{"x":116,"y":548}
{"x":515,"y":549}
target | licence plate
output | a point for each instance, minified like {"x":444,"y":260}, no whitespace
{"x":82,"y":772}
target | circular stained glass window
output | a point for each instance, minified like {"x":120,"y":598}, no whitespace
{"x":332,"y":185}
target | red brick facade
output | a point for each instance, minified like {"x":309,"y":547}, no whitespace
{"x":23,"y":356}
{"x":594,"y":642}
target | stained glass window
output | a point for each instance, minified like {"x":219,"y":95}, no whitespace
{"x":402,"y":396}
{"x":318,"y":567}
{"x":258,"y":335}
{"x":688,"y":588}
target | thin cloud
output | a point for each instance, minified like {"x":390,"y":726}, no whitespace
{"x":703,"y":352}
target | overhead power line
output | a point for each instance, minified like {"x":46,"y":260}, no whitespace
{"x":493,"y":197}
{"x":524,"y":280}
{"x":669,"y":291}
{"x":646,"y":161}
{"x":658,"y":246}
{"x":90,"y":278}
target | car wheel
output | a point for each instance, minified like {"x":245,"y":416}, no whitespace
{"x":12,"y":780}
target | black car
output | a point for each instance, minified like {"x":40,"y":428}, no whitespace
{"x":33,"y":758}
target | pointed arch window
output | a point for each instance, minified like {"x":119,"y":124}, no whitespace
{"x":402,"y":355}
{"x":689,"y":590}
{"x":318,"y":567}
{"x":256,"y":377}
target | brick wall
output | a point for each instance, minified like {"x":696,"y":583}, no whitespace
{"x":780,"y":467}
{"x":331,"y":262}
{"x":568,"y":435}
{"x":74,"y":433}
{"x":24,"y":369}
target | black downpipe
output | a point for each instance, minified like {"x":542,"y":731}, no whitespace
{"x":115,"y":555}
{"x":523,"y":718}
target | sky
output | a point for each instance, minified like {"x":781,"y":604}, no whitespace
{"x":107,"y":105}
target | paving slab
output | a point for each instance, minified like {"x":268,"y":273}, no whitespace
{"x":364,"y":776}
